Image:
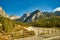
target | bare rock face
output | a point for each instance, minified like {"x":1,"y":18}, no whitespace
{"x":34,"y":16}
{"x":23,"y":18}
{"x":2,"y":13}
{"x":31,"y":17}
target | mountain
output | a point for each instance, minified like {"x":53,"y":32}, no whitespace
{"x":2,"y":13}
{"x":14,"y":17}
{"x":23,"y":18}
{"x":48,"y":14}
{"x":57,"y":13}
{"x":33,"y":16}
{"x":30,"y":17}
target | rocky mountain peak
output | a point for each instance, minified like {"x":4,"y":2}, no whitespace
{"x":23,"y":18}
{"x":33,"y":16}
{"x":0,"y":8}
{"x":29,"y":17}
{"x":26,"y":14}
{"x":14,"y":17}
{"x":37,"y":11}
{"x":2,"y":13}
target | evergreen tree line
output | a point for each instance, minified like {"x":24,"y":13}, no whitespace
{"x":7,"y":24}
{"x":52,"y":21}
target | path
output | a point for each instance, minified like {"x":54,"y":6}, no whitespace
{"x":39,"y":38}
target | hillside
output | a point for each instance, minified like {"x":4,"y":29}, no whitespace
{"x":42,"y":19}
{"x":7,"y":24}
{"x":50,"y":21}
{"x":3,"y":13}
{"x":13,"y":29}
{"x":20,"y":27}
{"x":30,"y":17}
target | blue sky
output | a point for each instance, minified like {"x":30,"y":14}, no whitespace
{"x":19,"y":7}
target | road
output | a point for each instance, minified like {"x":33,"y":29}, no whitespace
{"x":44,"y":37}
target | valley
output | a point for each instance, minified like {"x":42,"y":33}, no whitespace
{"x":36,"y":25}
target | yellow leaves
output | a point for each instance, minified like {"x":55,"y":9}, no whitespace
{"x":5,"y":37}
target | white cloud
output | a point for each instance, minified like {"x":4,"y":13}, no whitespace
{"x":57,"y":9}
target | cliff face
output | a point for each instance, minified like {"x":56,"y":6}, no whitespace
{"x":2,"y":13}
{"x":23,"y":18}
{"x":33,"y":16}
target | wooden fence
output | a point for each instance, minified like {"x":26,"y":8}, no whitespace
{"x":48,"y":31}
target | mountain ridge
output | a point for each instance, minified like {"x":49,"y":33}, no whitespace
{"x":33,"y":16}
{"x":29,"y":17}
{"x":2,"y":13}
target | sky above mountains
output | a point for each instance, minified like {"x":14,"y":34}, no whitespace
{"x":19,"y":7}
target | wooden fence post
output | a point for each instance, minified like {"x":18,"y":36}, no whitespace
{"x":38,"y":33}
{"x":43,"y":32}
